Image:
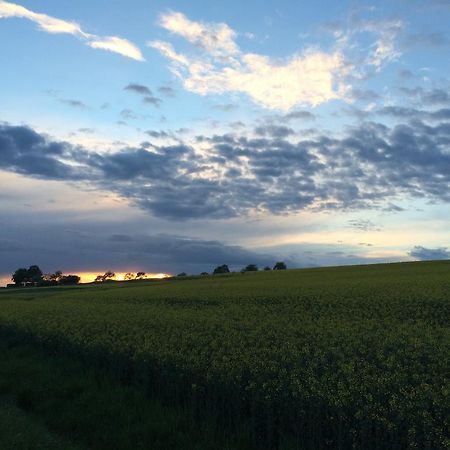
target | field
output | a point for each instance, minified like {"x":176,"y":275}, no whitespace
{"x":339,"y":358}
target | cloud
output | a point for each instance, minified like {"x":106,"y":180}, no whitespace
{"x":217,"y":38}
{"x":145,"y":92}
{"x":303,"y":115}
{"x":423,"y":253}
{"x":74,"y":103}
{"x":138,"y":89}
{"x":117,"y":45}
{"x":226,"y":107}
{"x":167,"y":91}
{"x":221,"y":176}
{"x":57,"y":26}
{"x":309,"y":78}
{"x":276,"y":131}
{"x":363,"y":225}
{"x":432,"y":97}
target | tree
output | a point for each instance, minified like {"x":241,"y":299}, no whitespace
{"x":34,"y":274}
{"x":69,"y":279}
{"x":129,"y":276}
{"x":182,"y":274}
{"x":250,"y":268}
{"x":221,"y":269}
{"x":204,"y":273}
{"x":280,"y":265}
{"x":20,"y":276}
{"x":52,"y":278}
{"x":140,"y":275}
{"x":267,"y":268}
{"x":105,"y":277}
{"x":31,"y":275}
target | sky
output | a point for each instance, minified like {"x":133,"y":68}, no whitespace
{"x":169,"y":136}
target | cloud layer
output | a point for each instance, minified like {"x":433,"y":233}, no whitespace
{"x":56,"y":26}
{"x":241,"y":174}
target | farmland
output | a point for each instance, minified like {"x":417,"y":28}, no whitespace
{"x":345,"y":357}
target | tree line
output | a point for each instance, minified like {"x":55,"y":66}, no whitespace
{"x":33,"y":276}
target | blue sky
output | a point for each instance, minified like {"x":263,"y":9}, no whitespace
{"x":169,"y":136}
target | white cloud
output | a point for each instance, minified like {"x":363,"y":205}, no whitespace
{"x":57,"y":26}
{"x":309,"y":78}
{"x":217,"y":38}
{"x":117,"y":45}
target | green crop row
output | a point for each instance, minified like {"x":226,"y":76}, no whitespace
{"x":340,"y":358}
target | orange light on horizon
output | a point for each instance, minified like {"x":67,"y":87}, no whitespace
{"x":88,"y":277}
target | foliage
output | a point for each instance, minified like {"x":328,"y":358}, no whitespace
{"x":69,"y":279}
{"x":250,"y":268}
{"x":31,"y":275}
{"x":280,"y":265}
{"x":221,"y":269}
{"x":109,"y":275}
{"x":349,"y":357}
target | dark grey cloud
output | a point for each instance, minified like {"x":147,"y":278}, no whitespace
{"x":372,"y":166}
{"x":406,"y":113}
{"x":364,"y":95}
{"x":158,"y":134}
{"x":276,"y":131}
{"x":424,"y":253}
{"x":152,"y":100}
{"x":299,"y":115}
{"x":145,"y":92}
{"x":167,"y":91}
{"x":431,"y":97}
{"x":138,"y":89}
{"x":74,"y":103}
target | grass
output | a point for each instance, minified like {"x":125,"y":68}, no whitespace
{"x":345,"y":357}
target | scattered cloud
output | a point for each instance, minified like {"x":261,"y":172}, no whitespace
{"x":54,"y":25}
{"x":423,"y":253}
{"x":145,"y":92}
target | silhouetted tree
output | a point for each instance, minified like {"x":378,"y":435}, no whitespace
{"x":105,"y":277}
{"x":31,"y":275}
{"x":267,"y":268}
{"x":182,"y":274}
{"x":69,"y":279}
{"x":34,"y":274}
{"x":280,"y":265}
{"x":250,"y":268}
{"x":129,"y":276}
{"x":140,"y":275}
{"x":20,"y":276}
{"x":221,"y":269}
